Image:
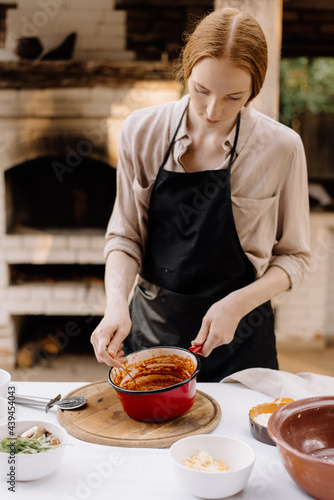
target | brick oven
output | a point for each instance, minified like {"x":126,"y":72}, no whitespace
{"x":60,"y":124}
{"x":59,"y":127}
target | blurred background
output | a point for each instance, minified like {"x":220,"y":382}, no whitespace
{"x":70,"y":72}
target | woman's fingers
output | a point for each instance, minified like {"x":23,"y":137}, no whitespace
{"x":202,"y":337}
{"x":218,"y":328}
{"x":117,"y":360}
{"x":107,"y":343}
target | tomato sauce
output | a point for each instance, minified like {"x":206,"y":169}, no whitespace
{"x":155,"y":373}
{"x":159,"y":383}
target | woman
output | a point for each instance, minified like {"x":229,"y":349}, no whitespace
{"x":211,"y":209}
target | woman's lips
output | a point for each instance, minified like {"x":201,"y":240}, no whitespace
{"x":212,"y":122}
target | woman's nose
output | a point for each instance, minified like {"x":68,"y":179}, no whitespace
{"x":214,"y":109}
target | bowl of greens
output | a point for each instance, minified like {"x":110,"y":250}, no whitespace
{"x":30,"y":450}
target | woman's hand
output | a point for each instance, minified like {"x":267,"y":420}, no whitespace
{"x":121,"y":270}
{"x":219,"y":324}
{"x":110,"y":332}
{"x":221,"y":320}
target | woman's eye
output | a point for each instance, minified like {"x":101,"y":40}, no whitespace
{"x":203,"y":92}
{"x":231,"y":98}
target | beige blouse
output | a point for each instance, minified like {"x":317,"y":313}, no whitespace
{"x":268,"y":185}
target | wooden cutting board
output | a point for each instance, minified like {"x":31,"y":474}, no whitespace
{"x":103,"y":421}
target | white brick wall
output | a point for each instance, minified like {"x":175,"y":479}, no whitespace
{"x":90,"y":4}
{"x":100,"y":29}
{"x":4,"y":277}
{"x":306,"y":314}
{"x":57,"y":299}
{"x":7,"y":348}
{"x":54,"y":5}
{"x":19,"y":105}
{"x":49,"y":249}
{"x":31,"y":123}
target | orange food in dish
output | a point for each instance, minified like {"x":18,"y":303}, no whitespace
{"x":268,"y":408}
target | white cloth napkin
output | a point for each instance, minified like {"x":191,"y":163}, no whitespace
{"x":277,"y":383}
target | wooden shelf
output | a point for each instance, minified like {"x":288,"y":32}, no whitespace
{"x":48,"y":74}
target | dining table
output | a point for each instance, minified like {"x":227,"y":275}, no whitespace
{"x":95,"y":471}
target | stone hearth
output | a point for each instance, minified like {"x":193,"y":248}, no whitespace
{"x":71,"y":123}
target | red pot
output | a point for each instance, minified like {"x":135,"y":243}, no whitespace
{"x":152,"y":368}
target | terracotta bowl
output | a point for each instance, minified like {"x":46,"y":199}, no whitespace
{"x":304,"y":434}
{"x":259,"y":431}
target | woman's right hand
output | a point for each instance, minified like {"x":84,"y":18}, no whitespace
{"x":110,"y":332}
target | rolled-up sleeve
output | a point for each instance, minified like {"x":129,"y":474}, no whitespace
{"x":292,"y":249}
{"x":123,"y":232}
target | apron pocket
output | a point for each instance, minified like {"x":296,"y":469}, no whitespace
{"x":259,"y":217}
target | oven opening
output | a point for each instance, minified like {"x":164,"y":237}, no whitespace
{"x":41,"y":338}
{"x":20,"y":274}
{"x":45,"y":194}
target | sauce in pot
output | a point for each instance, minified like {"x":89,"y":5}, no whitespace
{"x":158,"y":383}
{"x":155,"y":373}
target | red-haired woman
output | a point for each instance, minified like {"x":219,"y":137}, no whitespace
{"x":211,"y":210}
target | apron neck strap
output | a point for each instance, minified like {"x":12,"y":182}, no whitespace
{"x":178,"y":128}
{"x":234,"y":144}
{"x":173,"y":139}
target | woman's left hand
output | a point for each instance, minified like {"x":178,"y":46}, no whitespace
{"x":219,"y":324}
{"x":221,"y":320}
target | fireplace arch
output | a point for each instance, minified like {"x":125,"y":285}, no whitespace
{"x":59,"y":193}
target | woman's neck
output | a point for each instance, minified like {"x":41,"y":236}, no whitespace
{"x":215,"y":135}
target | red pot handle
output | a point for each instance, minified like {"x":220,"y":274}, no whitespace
{"x":195,"y":348}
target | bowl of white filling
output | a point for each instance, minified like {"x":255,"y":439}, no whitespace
{"x":259,"y":416}
{"x":212,"y":466}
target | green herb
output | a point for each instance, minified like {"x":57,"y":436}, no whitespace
{"x":27,"y":445}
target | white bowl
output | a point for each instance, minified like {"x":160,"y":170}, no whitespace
{"x":34,"y":466}
{"x":5,"y":378}
{"x":3,"y":410}
{"x":237,"y":455}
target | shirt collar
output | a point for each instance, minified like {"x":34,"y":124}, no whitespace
{"x":176,"y":117}
{"x":247,"y":122}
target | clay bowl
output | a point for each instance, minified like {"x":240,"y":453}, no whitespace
{"x":304,"y":434}
{"x":151,"y":368}
{"x":259,"y":431}
{"x":28,"y":48}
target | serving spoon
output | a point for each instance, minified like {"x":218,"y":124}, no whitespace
{"x":138,"y":387}
{"x":69,"y":403}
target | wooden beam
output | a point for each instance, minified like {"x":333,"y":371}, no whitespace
{"x":309,"y":4}
{"x":62,"y":74}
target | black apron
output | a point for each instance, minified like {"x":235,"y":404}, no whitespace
{"x":193,"y":259}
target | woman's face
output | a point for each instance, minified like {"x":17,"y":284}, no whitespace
{"x":218,"y":90}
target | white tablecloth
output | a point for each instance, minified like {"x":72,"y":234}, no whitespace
{"x":90,"y":471}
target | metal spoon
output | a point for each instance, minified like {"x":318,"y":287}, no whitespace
{"x":126,"y":371}
{"x":69,"y":403}
{"x":138,"y":387}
